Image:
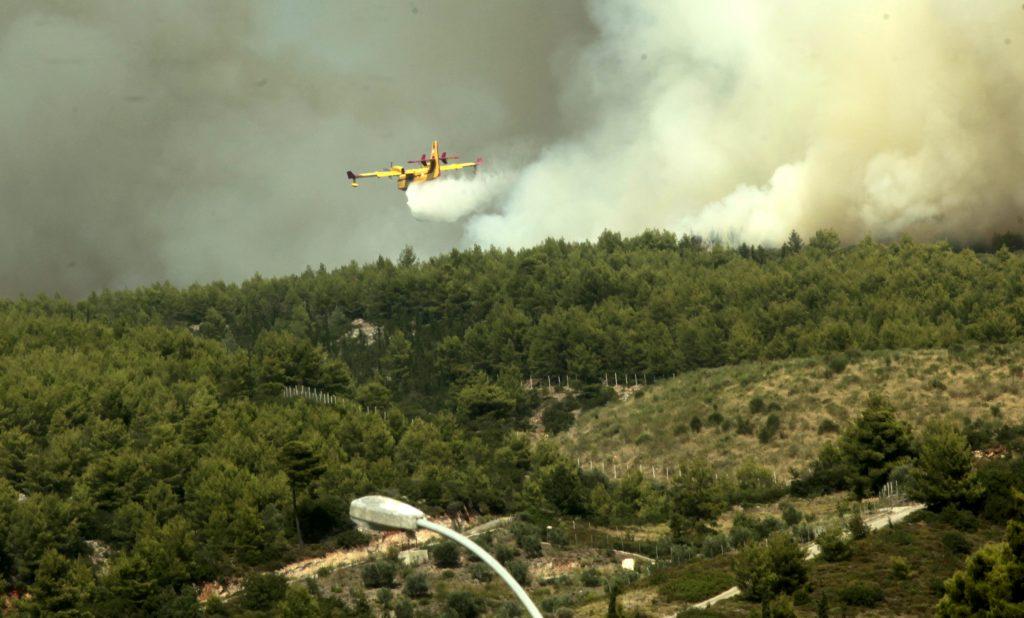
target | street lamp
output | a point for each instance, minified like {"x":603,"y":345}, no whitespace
{"x":383,"y":513}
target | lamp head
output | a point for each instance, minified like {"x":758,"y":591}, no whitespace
{"x":383,"y":513}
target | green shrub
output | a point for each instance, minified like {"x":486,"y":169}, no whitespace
{"x":781,"y":607}
{"x":837,"y":363}
{"x":415,"y":586}
{"x":858,"y":529}
{"x":557,"y":536}
{"x":528,"y":539}
{"x":691,"y":584}
{"x":715,"y":418}
{"x":595,"y":395}
{"x":755,"y":485}
{"x":802,"y":596}
{"x":829,"y":472}
{"x":803,"y":531}
{"x":757,"y":404}
{"x":900,"y":567}
{"x":403,"y":608}
{"x":834,"y":547}
{"x":520,"y":571}
{"x":350,"y":538}
{"x":959,"y":518}
{"x":590,"y":578}
{"x":897,"y":536}
{"x":821,"y":606}
{"x":828,"y":426}
{"x":481,"y":572}
{"x":557,"y":418}
{"x":862,"y":594}
{"x":696,"y":425}
{"x":746,"y":527}
{"x":956,"y":542}
{"x":769,"y":429}
{"x":446,"y":555}
{"x":791,"y":515}
{"x":504,"y":553}
{"x":215,"y":606}
{"x":714,"y":544}
{"x":764,"y":570}
{"x":465,"y":604}
{"x":998,"y":479}
{"x":379,"y":574}
{"x":263,"y":590}
{"x":744,"y":427}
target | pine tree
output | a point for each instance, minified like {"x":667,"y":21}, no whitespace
{"x":696,"y":501}
{"x":793,"y":244}
{"x":943,"y":473}
{"x":872,"y":448}
{"x":992,"y":581}
{"x":303,"y":467}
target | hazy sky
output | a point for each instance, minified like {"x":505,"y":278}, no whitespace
{"x":192,"y":141}
{"x":209,"y":140}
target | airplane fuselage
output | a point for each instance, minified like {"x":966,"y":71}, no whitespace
{"x":429,"y":169}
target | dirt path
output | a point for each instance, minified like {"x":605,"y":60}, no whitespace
{"x":345,"y":558}
{"x":876,"y":521}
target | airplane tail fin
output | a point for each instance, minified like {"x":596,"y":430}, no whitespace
{"x":435,"y":160}
{"x":352,"y":178}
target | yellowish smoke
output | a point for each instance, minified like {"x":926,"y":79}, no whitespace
{"x":749,"y":118}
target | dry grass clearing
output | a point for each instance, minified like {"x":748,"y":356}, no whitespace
{"x":716,"y":414}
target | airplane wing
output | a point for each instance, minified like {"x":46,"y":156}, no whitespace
{"x":353,"y":177}
{"x":459,"y":166}
{"x":377,"y":173}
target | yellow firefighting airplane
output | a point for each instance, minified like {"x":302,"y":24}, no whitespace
{"x":430,"y":169}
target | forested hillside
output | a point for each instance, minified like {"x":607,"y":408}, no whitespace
{"x":654,"y":303}
{"x":146,"y":445}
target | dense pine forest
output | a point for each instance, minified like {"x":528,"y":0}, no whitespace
{"x":146,"y":445}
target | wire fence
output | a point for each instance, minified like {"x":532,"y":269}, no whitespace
{"x":311,"y":394}
{"x":615,"y":469}
{"x":318,"y":396}
{"x":611,"y":378}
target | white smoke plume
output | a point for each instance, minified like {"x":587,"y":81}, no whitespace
{"x":451,"y":198}
{"x":749,"y":118}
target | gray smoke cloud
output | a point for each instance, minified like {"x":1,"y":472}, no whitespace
{"x":747,"y":119}
{"x":191,"y":140}
{"x":195,"y":140}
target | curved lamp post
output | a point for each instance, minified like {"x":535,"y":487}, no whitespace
{"x":383,"y":513}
